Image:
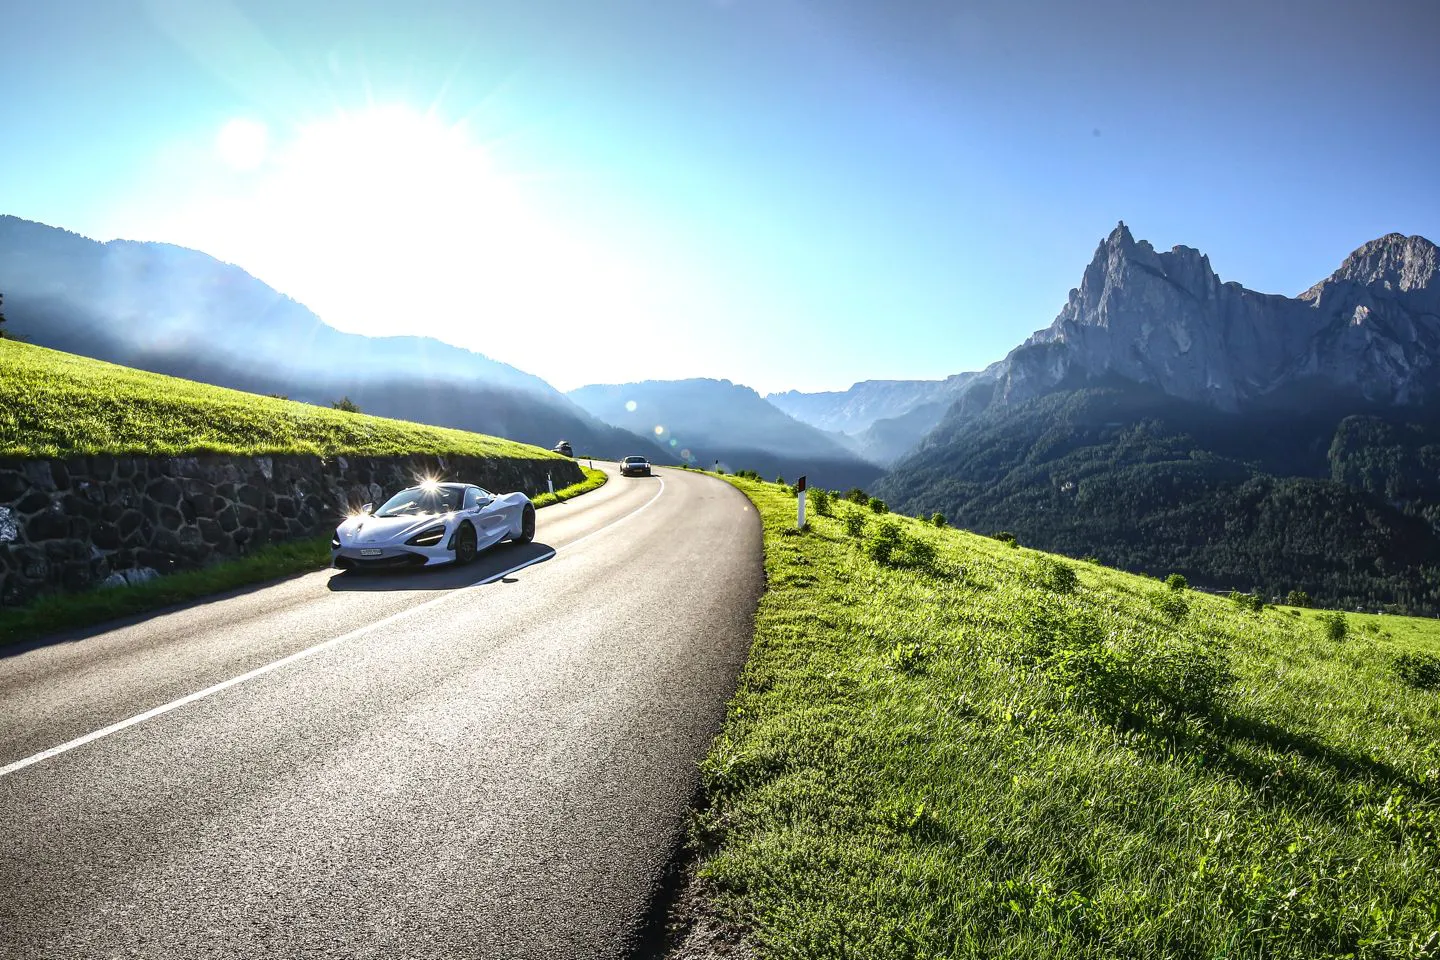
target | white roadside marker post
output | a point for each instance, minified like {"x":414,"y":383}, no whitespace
{"x":800,"y":501}
{"x":549,"y":482}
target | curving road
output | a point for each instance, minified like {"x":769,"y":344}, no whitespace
{"x":483,"y":762}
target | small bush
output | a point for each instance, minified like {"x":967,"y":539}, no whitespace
{"x":891,"y":546}
{"x":780,"y":479}
{"x":1334,"y":625}
{"x":1297,"y":598}
{"x":919,"y":553}
{"x":346,"y":404}
{"x":1172,"y":605}
{"x":1421,"y":670}
{"x":909,"y":657}
{"x":1005,"y":536}
{"x":819,"y":500}
{"x":878,"y":506}
{"x":883,"y":542}
{"x":857,"y":496}
{"x":937,"y":519}
{"x":1054,"y":575}
{"x":1247,"y":601}
{"x":855,"y":524}
{"x":1177,"y":581}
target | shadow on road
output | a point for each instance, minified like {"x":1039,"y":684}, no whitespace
{"x":491,"y":563}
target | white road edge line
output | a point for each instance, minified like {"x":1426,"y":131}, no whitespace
{"x":165,"y":708}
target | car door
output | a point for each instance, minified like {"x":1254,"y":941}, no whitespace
{"x":491,"y":523}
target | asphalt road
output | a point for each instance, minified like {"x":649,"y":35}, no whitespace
{"x":443,"y":766}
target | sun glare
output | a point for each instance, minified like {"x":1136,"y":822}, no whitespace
{"x":242,"y":144}
{"x":392,"y":220}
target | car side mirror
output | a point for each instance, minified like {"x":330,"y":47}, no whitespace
{"x":369,"y":508}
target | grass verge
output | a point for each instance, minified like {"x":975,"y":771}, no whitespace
{"x":594,"y":479}
{"x":55,"y":404}
{"x":945,"y":746}
{"x":72,"y":611}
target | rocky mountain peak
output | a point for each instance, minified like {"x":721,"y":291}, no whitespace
{"x":1167,"y":320}
{"x":1393,"y":265}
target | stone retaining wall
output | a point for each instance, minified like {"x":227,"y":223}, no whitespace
{"x":67,"y":525}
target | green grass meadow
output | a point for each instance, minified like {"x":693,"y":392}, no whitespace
{"x":55,"y":404}
{"x":945,"y":746}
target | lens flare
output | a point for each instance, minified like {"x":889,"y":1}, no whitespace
{"x":630,"y":405}
{"x":659,"y":430}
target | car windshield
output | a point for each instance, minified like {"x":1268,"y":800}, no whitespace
{"x":422,"y":502}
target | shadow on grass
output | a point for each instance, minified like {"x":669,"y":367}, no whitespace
{"x":1284,"y":768}
{"x":490,"y":564}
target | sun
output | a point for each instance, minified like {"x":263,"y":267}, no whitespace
{"x":242,"y":144}
{"x":394,"y":220}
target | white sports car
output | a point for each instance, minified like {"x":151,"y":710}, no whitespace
{"x":430,"y":524}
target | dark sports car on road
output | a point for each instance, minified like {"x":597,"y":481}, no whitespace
{"x":635,"y":467}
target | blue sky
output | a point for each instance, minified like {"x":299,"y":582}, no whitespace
{"x":788,"y":193}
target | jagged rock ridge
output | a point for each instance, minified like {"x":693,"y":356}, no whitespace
{"x":1372,"y":329}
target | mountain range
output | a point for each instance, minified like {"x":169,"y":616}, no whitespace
{"x":181,"y":312}
{"x":715,"y":421}
{"x":1165,"y":421}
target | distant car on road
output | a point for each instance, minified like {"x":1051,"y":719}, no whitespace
{"x":563,"y":448}
{"x":431,"y":524}
{"x":635,"y":467}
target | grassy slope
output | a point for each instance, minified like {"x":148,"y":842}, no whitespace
{"x":964,"y":758}
{"x":56,"y":404}
{"x":71,"y":611}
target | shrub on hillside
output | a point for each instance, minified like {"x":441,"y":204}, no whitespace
{"x":883,"y":542}
{"x":855,"y":524}
{"x":1334,"y":625}
{"x":937,"y":519}
{"x":1176,"y":581}
{"x":1138,"y":678}
{"x":1421,"y":670}
{"x":819,"y":500}
{"x":780,"y":479}
{"x":1005,"y":536}
{"x":1297,"y":598}
{"x":346,"y":404}
{"x":878,"y":506}
{"x":857,"y":496}
{"x":1054,"y":575}
{"x":1172,"y":605}
{"x":1247,"y":601}
{"x":889,"y":545}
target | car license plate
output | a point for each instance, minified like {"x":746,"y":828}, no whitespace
{"x":371,"y":552}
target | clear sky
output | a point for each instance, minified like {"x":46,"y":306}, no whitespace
{"x":785,"y":193}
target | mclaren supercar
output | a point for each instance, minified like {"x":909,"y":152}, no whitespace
{"x":430,"y":524}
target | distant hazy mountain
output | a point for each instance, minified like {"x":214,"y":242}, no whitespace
{"x":178,"y":311}
{"x":1167,"y":421}
{"x":880,"y":419}
{"x":718,"y":420}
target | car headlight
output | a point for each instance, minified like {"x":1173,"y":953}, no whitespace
{"x":427,"y":538}
{"x":335,"y":540}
